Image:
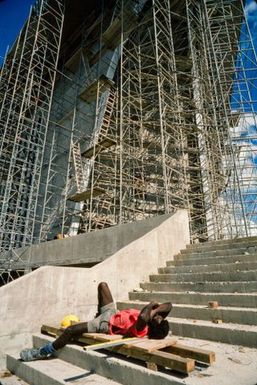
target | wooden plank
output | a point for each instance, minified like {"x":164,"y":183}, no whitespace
{"x":151,"y":345}
{"x":152,"y":366}
{"x":141,"y":343}
{"x":51,"y":330}
{"x":197,"y":354}
{"x":102,"y":337}
{"x":110,"y":344}
{"x":86,"y":338}
{"x":164,"y":359}
{"x":213,"y":304}
{"x":161,"y":358}
{"x":85,"y":195}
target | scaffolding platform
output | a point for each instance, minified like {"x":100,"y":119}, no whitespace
{"x":89,"y":93}
{"x":101,"y":146}
{"x":85,"y":195}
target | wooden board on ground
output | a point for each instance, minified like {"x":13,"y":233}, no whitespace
{"x":86,"y":338}
{"x":202,"y":355}
{"x":165,"y":353}
{"x":151,"y":345}
{"x":109,"y":344}
{"x":139,"y":343}
{"x":163,"y":359}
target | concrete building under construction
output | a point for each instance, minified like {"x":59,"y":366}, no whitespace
{"x":114,"y":111}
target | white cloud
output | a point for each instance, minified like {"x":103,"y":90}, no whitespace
{"x":251,"y":7}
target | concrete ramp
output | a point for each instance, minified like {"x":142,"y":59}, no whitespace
{"x":94,"y":247}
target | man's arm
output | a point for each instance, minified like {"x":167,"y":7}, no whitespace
{"x":162,"y":310}
{"x":145,"y":315}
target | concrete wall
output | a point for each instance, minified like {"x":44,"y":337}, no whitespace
{"x":49,"y":293}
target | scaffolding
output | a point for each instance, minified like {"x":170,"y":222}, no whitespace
{"x":142,"y":170}
{"x":26,"y":89}
{"x":185,"y":97}
{"x":224,"y":70}
{"x":153,"y":110}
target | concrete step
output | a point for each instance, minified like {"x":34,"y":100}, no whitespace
{"x":251,"y":245}
{"x":236,"y":334}
{"x":206,"y":277}
{"x":205,"y":287}
{"x":224,"y":243}
{"x":7,"y":378}
{"x":53,"y":372}
{"x":226,"y":267}
{"x":119,"y":368}
{"x":213,"y":253}
{"x":224,"y":299}
{"x":213,"y":260}
{"x":231,"y":333}
{"x":238,"y":315}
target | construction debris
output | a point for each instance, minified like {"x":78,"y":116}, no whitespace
{"x":213,"y":304}
{"x":217,"y":321}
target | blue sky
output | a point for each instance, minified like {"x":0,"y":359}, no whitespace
{"x":251,"y":13}
{"x":13,"y":14}
{"x":245,"y":78}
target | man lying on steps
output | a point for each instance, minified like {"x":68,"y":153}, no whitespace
{"x":130,"y":323}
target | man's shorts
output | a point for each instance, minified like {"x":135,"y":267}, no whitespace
{"x":101,"y":323}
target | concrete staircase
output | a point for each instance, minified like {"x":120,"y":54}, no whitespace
{"x":223,"y":271}
{"x":74,"y":365}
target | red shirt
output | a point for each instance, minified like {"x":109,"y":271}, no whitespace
{"x":124,"y":322}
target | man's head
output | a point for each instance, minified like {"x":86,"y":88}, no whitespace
{"x":158,"y":328}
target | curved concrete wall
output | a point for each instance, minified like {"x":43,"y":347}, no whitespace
{"x":51,"y":292}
